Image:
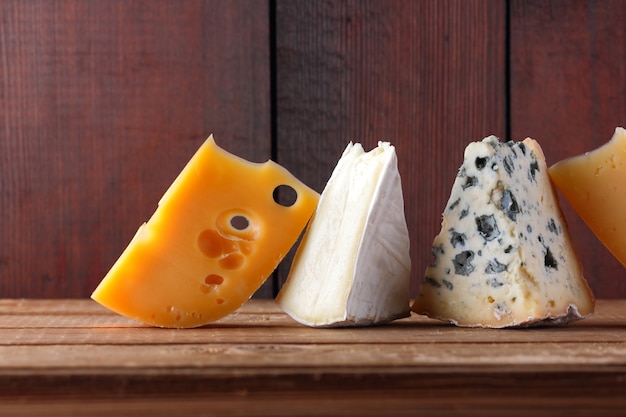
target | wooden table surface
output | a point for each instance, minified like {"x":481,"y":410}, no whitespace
{"x":73,"y":357}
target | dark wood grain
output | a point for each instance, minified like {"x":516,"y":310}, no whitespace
{"x":427,"y":76}
{"x":84,"y":360}
{"x":568,"y":86}
{"x":102,"y":103}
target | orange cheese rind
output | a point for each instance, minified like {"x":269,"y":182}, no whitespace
{"x":594,"y":183}
{"x":217,"y":234}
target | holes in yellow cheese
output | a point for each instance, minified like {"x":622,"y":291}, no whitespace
{"x":213,"y":279}
{"x":232,"y":241}
{"x":232,"y":261}
{"x":235,"y":231}
{"x":171,"y":310}
{"x":211,"y":283}
{"x":213,"y":245}
{"x":245,"y":248}
{"x":285,"y":195}
{"x":239,"y":222}
{"x":236,"y":224}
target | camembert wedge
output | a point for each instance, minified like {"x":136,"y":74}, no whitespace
{"x":352,"y":267}
{"x":216,"y":236}
{"x":504,"y":256}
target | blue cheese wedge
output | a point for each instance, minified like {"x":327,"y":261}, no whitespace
{"x":352,"y":267}
{"x":504,"y":256}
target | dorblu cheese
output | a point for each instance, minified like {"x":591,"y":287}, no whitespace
{"x":216,"y":236}
{"x":353,"y":266}
{"x":503,"y":256}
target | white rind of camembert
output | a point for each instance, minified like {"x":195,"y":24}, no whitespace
{"x":352,"y":267}
{"x":504,"y":256}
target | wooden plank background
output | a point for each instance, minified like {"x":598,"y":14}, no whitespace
{"x":568,"y":86}
{"x":75,"y":358}
{"x":427,"y":76}
{"x":103,"y":102}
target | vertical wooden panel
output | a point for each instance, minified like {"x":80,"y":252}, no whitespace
{"x":568,"y":90}
{"x":101,"y":104}
{"x":426,"y":75}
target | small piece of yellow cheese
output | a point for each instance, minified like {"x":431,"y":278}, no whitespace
{"x":594,"y":183}
{"x":216,"y":236}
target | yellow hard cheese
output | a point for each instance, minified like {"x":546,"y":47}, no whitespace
{"x":216,"y":236}
{"x":595,"y":185}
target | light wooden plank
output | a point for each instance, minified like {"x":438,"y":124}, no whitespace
{"x":230,"y":358}
{"x":291,"y":334}
{"x":260,"y":321}
{"x":90,"y":361}
{"x":87,"y":321}
{"x":27,"y":306}
{"x":613,"y":311}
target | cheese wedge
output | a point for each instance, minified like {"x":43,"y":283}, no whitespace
{"x":352,"y":267}
{"x":595,"y":185}
{"x":216,"y":236}
{"x":504,"y":255}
